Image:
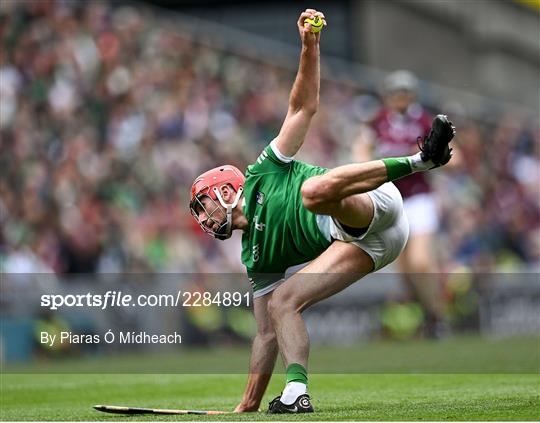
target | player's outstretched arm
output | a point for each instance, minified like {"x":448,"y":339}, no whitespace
{"x":304,"y":98}
{"x":263,"y":358}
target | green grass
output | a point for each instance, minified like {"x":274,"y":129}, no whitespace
{"x":464,"y":354}
{"x":336,"y":397}
{"x":513,"y":393}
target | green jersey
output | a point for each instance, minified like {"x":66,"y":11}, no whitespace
{"x":281,"y":232}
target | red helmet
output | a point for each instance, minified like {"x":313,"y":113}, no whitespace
{"x":209,"y":185}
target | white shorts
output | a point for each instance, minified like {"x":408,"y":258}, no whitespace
{"x":387,"y":234}
{"x":422,"y":214}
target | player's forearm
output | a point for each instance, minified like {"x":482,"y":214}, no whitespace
{"x":305,"y":91}
{"x":255,"y":389}
{"x":263,"y":358}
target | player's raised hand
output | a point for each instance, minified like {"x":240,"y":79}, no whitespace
{"x":309,"y":31}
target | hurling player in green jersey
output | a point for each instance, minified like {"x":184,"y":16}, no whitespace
{"x":346,"y":222}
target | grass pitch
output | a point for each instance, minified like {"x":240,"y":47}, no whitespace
{"x":514,"y":395}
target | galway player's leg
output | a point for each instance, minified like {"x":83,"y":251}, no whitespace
{"x":347,"y":195}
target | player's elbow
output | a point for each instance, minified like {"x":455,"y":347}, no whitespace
{"x":311,"y":108}
{"x":307,"y":108}
{"x":316,"y":192}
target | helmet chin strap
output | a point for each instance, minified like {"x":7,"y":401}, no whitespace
{"x":229,"y":208}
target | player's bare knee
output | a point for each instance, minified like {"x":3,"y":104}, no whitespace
{"x":308,"y":192}
{"x":280,"y":304}
{"x":304,"y":305}
{"x":275,"y":307}
{"x":316,"y":192}
{"x":272,"y":308}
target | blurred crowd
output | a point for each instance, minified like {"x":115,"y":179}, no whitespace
{"x":107,"y":113}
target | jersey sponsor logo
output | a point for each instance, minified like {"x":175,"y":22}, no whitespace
{"x":260,"y":197}
{"x":256,"y":252}
{"x":258,"y":226}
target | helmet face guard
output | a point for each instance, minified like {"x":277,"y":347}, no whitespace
{"x":209,"y":185}
{"x":216,"y":214}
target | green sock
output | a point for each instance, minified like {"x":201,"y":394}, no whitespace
{"x":397,"y":167}
{"x":296,"y":373}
